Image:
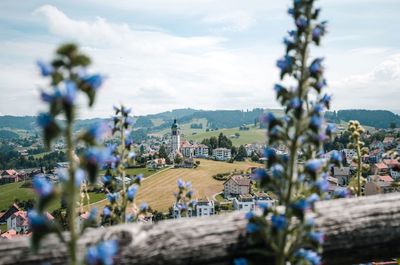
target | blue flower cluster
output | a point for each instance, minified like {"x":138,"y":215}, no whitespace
{"x":297,"y":178}
{"x":184,"y":202}
{"x":103,"y":253}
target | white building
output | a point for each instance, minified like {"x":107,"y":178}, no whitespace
{"x":262,"y":198}
{"x":222,"y":154}
{"x":177,"y":212}
{"x":194,"y":150}
{"x":244,"y":203}
{"x":205,"y":207}
{"x":236,"y":185}
{"x":18,"y":221}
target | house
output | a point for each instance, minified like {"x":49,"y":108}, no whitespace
{"x":18,"y":221}
{"x":332,"y":184}
{"x":5,"y":215}
{"x":375,"y":155}
{"x":380,"y":169}
{"x":253,"y":148}
{"x":176,"y":211}
{"x":388,"y":142}
{"x":349,"y":154}
{"x":237,"y":185}
{"x":244,"y":202}
{"x":10,"y":176}
{"x":342,"y":174}
{"x":156,"y":163}
{"x":10,"y":234}
{"x":261,"y":197}
{"x":378,"y":185}
{"x":80,"y":220}
{"x":205,"y":207}
{"x":222,"y":154}
{"x":194,"y":150}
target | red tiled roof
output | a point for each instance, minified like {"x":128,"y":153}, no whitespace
{"x":381,"y":165}
{"x":240,"y":180}
{"x":386,"y":178}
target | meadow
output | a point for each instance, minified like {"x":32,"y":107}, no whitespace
{"x":157,"y":190}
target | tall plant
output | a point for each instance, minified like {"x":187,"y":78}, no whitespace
{"x":68,"y":77}
{"x":298,"y":178}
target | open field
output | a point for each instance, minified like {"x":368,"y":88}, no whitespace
{"x":254,"y":135}
{"x":10,"y":192}
{"x":158,"y":190}
{"x":136,"y":171}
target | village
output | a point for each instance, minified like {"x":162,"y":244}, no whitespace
{"x":239,"y":192}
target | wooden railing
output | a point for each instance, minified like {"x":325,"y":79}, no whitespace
{"x":357,"y":230}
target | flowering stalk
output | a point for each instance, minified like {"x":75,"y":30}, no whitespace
{"x":284,"y":227}
{"x":356,"y":130}
{"x":184,"y":201}
{"x":67,"y":73}
{"x":116,"y":211}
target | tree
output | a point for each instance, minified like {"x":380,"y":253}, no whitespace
{"x":162,"y":153}
{"x":141,"y":149}
{"x":178,"y":159}
{"x":254,"y":157}
{"x":393,"y":125}
{"x":242,"y":154}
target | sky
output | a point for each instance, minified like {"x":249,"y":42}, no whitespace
{"x":160,"y":55}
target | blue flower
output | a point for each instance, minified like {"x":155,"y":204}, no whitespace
{"x":94,"y":81}
{"x":301,"y":23}
{"x":279,"y":221}
{"x":263,"y":205}
{"x":269,"y":153}
{"x":252,"y":228}
{"x":106,"y":211}
{"x":70,"y":92}
{"x":320,"y":84}
{"x":336,"y":157}
{"x":316,"y":67}
{"x":322,"y":185}
{"x":112,"y":197}
{"x":139,"y":178}
{"x":330,"y":129}
{"x":45,"y":69}
{"x":285,"y":64}
{"x":42,"y":187}
{"x":249,"y":215}
{"x":313,"y":198}
{"x":106,"y":179}
{"x":259,"y":174}
{"x":341,"y":193}
{"x":97,"y":156}
{"x":309,"y":256}
{"x":316,"y":122}
{"x":143,"y":207}
{"x":278,"y":88}
{"x":326,"y":99}
{"x":188,"y":185}
{"x":316,"y":33}
{"x":301,"y":205}
{"x":268,"y":118}
{"x":103,"y":253}
{"x":36,"y":220}
{"x":98,"y":131}
{"x":125,"y":111}
{"x":316,"y":237}
{"x":277,"y":171}
{"x":313,"y":166}
{"x":79,"y":177}
{"x":240,"y":261}
{"x":180,"y":183}
{"x":132,"y":190}
{"x":44,"y":120}
{"x":93,"y":214}
{"x":295,"y":103}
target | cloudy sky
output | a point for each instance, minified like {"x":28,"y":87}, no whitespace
{"x":206,"y":54}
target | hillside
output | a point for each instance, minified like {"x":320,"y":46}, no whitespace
{"x":374,"y":118}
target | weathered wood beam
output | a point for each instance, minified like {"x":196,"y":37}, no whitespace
{"x":357,"y":230}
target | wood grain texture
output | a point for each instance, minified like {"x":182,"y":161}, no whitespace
{"x":357,"y":230}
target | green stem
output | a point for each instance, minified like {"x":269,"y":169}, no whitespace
{"x":121,"y":170}
{"x":359,"y":169}
{"x":71,"y":195}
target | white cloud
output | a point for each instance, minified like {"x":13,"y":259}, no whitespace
{"x":235,"y":21}
{"x":153,"y":70}
{"x":376,"y":89}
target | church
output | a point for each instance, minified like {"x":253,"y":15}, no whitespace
{"x":185,"y":148}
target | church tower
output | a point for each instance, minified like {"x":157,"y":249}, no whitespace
{"x":175,"y":137}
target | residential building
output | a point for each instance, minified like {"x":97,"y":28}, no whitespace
{"x":205,"y":207}
{"x":253,"y":148}
{"x":380,"y":169}
{"x":194,"y":150}
{"x":342,"y":174}
{"x":18,"y":221}
{"x":5,"y":215}
{"x":261,"y":197}
{"x":349,"y":154}
{"x":176,"y":211}
{"x":222,"y":154}
{"x":333,"y":185}
{"x":388,"y":142}
{"x":237,"y":185}
{"x":156,"y":163}
{"x":244,"y":202}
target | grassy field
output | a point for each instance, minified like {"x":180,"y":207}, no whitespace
{"x":158,"y":189}
{"x":135,"y":171}
{"x":254,"y":135}
{"x":10,"y":192}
